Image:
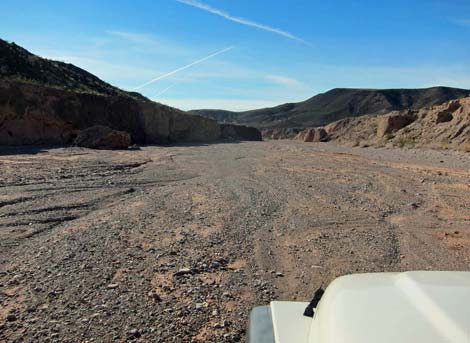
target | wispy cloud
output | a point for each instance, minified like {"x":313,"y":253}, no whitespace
{"x":285,"y":81}
{"x":462,"y":22}
{"x":161,"y":77}
{"x":240,"y":20}
{"x":146,"y":43}
{"x":138,"y":38}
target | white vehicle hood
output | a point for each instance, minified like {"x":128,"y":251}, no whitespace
{"x":411,"y":307}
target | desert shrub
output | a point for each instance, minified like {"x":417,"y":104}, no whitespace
{"x":404,"y":141}
{"x":465,"y":147}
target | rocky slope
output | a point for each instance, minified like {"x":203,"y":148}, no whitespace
{"x":279,"y":133}
{"x":447,"y":125}
{"x":337,"y":104}
{"x":18,"y":64}
{"x":49,"y":102}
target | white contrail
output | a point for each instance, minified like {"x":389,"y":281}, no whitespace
{"x":164,"y":90}
{"x":184,"y":67}
{"x":239,"y":20}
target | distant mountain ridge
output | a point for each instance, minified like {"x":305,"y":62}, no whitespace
{"x":337,"y":104}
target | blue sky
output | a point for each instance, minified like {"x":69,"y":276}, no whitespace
{"x":264,"y":52}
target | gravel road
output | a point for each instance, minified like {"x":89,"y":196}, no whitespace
{"x":176,"y":244}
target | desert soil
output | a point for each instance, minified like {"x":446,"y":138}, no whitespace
{"x":176,"y":244}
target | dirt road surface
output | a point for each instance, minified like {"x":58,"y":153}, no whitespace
{"x":176,"y":244}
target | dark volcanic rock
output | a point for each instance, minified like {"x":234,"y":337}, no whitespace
{"x":102,"y":137}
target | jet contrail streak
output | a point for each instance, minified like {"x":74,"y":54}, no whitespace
{"x":239,"y":20}
{"x":164,"y":90}
{"x":184,"y":67}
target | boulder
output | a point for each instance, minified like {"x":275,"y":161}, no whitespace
{"x":393,"y":122}
{"x":103,"y":137}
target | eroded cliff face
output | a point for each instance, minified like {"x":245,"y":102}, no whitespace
{"x":163,"y":124}
{"x":446,"y":125}
{"x":34,"y":114}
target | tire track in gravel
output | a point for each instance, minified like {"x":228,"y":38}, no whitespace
{"x":209,"y":231}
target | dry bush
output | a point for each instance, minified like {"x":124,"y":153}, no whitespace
{"x":465,"y":147}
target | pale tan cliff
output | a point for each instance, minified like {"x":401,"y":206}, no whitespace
{"x":33,"y":114}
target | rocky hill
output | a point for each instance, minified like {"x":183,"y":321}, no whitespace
{"x":49,"y":102}
{"x":18,"y":64}
{"x":445,"y":126}
{"x":337,"y":104}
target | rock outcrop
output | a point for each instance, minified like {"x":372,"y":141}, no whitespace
{"x":317,"y":134}
{"x":102,"y":137}
{"x":446,"y":114}
{"x":50,"y":102}
{"x":32,"y":114}
{"x":279,"y":133}
{"x":393,"y":122}
{"x":446,"y":125}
